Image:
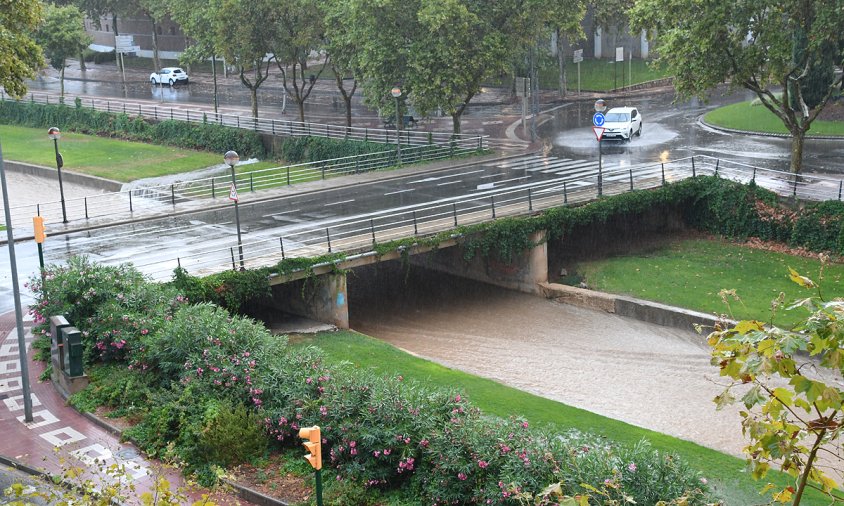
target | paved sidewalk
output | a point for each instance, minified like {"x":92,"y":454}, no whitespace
{"x":59,"y":437}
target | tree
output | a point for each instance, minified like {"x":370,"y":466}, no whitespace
{"x":20,"y":56}
{"x":244,"y":32}
{"x":62,"y":35}
{"x":753,"y":46}
{"x":342,"y":46}
{"x":298,"y":34}
{"x":438,"y":51}
{"x":196,"y":17}
{"x":564,"y":20}
{"x":792,"y":391}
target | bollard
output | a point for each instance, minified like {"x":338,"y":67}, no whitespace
{"x":251,"y":187}
{"x":454,"y":211}
{"x":172,"y":195}
{"x":86,"y":208}
{"x":693,"y":167}
{"x":213,"y":193}
{"x":130,"y":201}
{"x":492,"y":204}
{"x":840,"y":187}
{"x":416,"y":228}
{"x":281,"y":243}
{"x":631,"y":179}
{"x":372,"y":229}
{"x":565,"y":193}
{"x":328,"y":239}
{"x":288,"y":176}
{"x":663,"y":174}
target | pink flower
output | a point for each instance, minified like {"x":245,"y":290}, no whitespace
{"x":483,"y":464}
{"x":461,"y":476}
{"x":631,"y":467}
{"x":376,"y":454}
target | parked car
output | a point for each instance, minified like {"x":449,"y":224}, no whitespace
{"x":169,"y":75}
{"x":622,"y":123}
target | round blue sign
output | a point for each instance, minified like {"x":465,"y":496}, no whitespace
{"x":598,"y":119}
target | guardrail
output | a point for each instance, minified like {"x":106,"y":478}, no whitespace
{"x":267,"y":126}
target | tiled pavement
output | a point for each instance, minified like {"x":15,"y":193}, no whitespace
{"x":59,"y":437}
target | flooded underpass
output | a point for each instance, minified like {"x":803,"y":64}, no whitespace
{"x":654,"y":377}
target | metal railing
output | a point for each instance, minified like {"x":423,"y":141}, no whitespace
{"x":194,"y":194}
{"x":268,"y":126}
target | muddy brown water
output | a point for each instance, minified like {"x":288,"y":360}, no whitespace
{"x":650,"y":376}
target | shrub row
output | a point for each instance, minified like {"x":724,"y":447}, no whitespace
{"x":76,"y":118}
{"x":211,"y":389}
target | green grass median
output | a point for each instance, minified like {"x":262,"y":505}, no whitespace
{"x":757,"y":118}
{"x":114,"y":159}
{"x":691,"y":273}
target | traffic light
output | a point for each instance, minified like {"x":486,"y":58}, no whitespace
{"x":38,"y":225}
{"x":313,"y":445}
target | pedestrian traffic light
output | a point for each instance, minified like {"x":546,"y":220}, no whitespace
{"x":38,"y":225}
{"x":313,"y":445}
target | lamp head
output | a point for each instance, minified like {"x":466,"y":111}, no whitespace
{"x":231,"y":158}
{"x":54,"y":133}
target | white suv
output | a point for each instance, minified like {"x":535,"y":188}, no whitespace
{"x":623,"y":123}
{"x":169,"y":75}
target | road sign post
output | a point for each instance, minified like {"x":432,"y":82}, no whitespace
{"x":578,"y":57}
{"x":598,"y":120}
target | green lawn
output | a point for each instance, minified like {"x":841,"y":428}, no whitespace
{"x":114,"y":159}
{"x":691,"y":273}
{"x":725,"y":472}
{"x":757,"y":118}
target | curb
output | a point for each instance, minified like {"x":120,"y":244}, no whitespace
{"x":630,"y":307}
{"x":702,"y":122}
{"x":99,"y":183}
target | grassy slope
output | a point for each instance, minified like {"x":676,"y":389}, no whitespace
{"x":726,"y":473}
{"x":690,"y":274}
{"x":115,"y":159}
{"x":743,"y":116}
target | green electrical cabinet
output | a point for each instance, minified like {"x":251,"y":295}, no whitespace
{"x":73,"y":351}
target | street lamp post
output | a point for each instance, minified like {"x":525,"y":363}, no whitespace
{"x":55,"y":134}
{"x":600,"y":106}
{"x":231,"y":158}
{"x":396,"y":93}
{"x":24,"y":367}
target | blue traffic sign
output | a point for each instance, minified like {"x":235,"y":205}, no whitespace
{"x":598,"y":119}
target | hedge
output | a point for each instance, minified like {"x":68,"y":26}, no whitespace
{"x":76,"y":118}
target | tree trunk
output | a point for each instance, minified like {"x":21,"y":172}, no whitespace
{"x":561,"y":61}
{"x":254,"y":96}
{"x":82,"y":66}
{"x":455,"y":122}
{"x":214,"y":74}
{"x":155,"y":59}
{"x":61,"y":82}
{"x":301,"y":104}
{"x":348,"y":100}
{"x":798,"y":135}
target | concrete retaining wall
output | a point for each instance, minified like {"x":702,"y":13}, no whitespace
{"x":642,"y":310}
{"x":69,"y":176}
